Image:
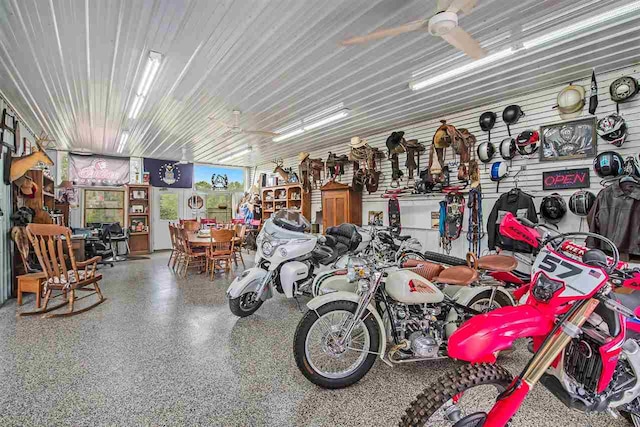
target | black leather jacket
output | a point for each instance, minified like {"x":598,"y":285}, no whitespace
{"x":519,"y":204}
{"x":616,"y":215}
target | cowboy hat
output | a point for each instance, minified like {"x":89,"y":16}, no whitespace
{"x":302,"y":156}
{"x":357,"y":142}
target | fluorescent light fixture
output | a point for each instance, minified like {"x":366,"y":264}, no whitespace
{"x":234,"y":155}
{"x":288,"y":135}
{"x":332,"y":118}
{"x":421,"y":84}
{"x":289,"y":127}
{"x":148,"y":76}
{"x":588,"y":23}
{"x":124,"y":136}
{"x":324,"y":112}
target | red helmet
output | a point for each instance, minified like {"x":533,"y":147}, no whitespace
{"x":527,"y":142}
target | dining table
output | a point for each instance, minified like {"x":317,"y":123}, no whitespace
{"x":197,"y":239}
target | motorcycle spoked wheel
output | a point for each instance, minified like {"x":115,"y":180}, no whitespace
{"x":245,"y":305}
{"x":361,"y":346}
{"x":479,"y":385}
{"x":407,"y":255}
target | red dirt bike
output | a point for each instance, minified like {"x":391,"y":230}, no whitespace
{"x":585,"y":340}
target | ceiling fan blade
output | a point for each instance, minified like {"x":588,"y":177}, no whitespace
{"x":261,"y":133}
{"x":461,"y":40}
{"x":387,"y":32}
{"x":443,"y":5}
{"x":220,"y":122}
{"x":466,"y":6}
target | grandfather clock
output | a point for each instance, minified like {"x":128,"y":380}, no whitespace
{"x":340,"y":204}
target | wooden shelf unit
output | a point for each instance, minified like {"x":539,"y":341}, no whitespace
{"x":139,"y":241}
{"x":44,"y":199}
{"x":295,"y":198}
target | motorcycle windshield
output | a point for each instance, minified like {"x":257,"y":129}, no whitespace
{"x":287,"y":224}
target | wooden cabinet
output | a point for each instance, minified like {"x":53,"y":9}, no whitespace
{"x":138,"y":215}
{"x":340,"y":203}
{"x":288,"y":196}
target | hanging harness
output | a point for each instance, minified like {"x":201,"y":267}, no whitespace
{"x":475,"y":231}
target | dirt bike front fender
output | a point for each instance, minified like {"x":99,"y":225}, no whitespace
{"x":480,"y":338}
{"x":321,"y":300}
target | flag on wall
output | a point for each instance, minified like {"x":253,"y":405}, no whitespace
{"x":98,"y":170}
{"x":168,"y":173}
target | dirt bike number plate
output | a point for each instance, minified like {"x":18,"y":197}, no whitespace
{"x":580,"y":280}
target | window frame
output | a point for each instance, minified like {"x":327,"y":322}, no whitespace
{"x":103,"y":189}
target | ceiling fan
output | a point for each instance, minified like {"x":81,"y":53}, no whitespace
{"x":235,"y":129}
{"x":443,"y":24}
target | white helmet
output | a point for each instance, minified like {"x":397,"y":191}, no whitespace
{"x":570,"y":102}
{"x":508,"y":148}
{"x":486,"y":150}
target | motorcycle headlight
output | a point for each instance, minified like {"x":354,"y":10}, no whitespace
{"x":268,"y":248}
{"x":545,"y":287}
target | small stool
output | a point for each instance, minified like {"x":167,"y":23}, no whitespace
{"x":33,"y":283}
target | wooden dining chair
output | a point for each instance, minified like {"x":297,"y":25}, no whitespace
{"x":62,"y":271}
{"x":240,"y":231}
{"x":174,"y":252}
{"x":192,"y":256}
{"x":220,"y":249}
{"x":191,"y":225}
{"x":180,"y":250}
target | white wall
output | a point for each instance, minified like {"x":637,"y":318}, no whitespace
{"x":415,"y":209}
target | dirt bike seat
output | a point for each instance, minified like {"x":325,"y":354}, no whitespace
{"x":426,"y":269}
{"x":502,"y":263}
{"x":460,"y":275}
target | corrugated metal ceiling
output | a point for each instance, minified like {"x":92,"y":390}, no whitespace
{"x":71,"y":67}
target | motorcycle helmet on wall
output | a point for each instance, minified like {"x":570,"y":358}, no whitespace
{"x":581,"y":202}
{"x":499,"y":171}
{"x":488,"y":121}
{"x":608,"y":164}
{"x":623,"y":89}
{"x":613,"y":129}
{"x":527,"y":142}
{"x":486,"y":151}
{"x":508,"y":148}
{"x":511,"y":115}
{"x":570,"y":102}
{"x":553,"y":208}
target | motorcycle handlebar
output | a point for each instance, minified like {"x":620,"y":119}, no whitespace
{"x":614,"y":305}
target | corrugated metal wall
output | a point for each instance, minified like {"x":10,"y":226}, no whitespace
{"x":5,"y":222}
{"x":415,"y":210}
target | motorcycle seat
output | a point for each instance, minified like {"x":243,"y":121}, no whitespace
{"x":460,"y":275}
{"x":346,"y":234}
{"x":330,"y":241}
{"x":503,"y":263}
{"x":426,"y":269}
{"x":403,"y":238}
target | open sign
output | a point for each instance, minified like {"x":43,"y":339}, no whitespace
{"x":570,"y":178}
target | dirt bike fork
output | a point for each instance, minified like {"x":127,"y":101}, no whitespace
{"x":565,"y":330}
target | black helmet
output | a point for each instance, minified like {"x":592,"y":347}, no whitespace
{"x":581,"y":202}
{"x":613,"y":128}
{"x":512,"y":114}
{"x":623,"y":89}
{"x":608,"y":164}
{"x":553,"y":208}
{"x":487,"y":120}
{"x":508,"y":148}
{"x":527,"y":142}
{"x":486,"y":151}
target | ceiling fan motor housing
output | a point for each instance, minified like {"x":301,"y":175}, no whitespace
{"x":443,"y":22}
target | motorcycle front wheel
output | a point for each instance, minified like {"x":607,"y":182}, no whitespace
{"x":318,"y":352}
{"x":245,"y":305}
{"x":463,"y":397}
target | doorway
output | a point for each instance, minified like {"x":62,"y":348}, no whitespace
{"x":168,"y":206}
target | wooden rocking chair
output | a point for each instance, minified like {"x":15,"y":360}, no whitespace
{"x":61,"y":269}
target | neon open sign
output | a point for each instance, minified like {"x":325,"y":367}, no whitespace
{"x":570,"y":178}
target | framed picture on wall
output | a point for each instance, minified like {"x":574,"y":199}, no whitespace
{"x":8,"y":130}
{"x":575,"y":139}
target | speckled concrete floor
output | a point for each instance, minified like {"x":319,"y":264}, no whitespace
{"x":167,"y":351}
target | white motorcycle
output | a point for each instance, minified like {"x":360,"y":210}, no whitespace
{"x":338,"y":339}
{"x":287,"y":259}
